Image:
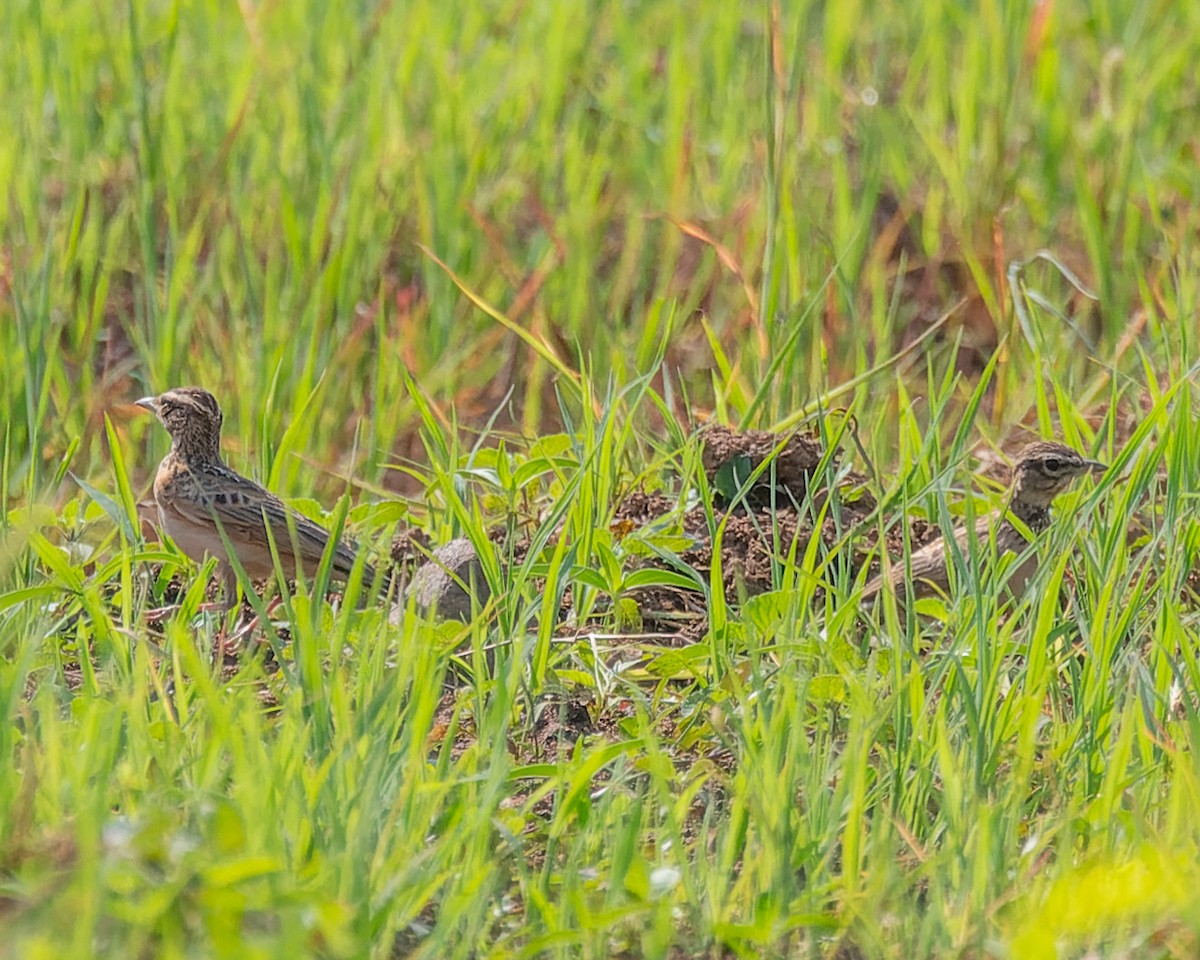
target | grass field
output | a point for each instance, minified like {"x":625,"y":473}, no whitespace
{"x":481,"y":270}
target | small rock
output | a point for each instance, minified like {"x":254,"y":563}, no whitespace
{"x":446,"y":582}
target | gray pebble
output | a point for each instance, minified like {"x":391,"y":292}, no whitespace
{"x":436,"y":584}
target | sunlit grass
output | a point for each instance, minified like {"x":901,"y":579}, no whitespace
{"x":504,"y":258}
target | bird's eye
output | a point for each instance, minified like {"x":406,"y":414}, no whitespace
{"x":1052,"y":464}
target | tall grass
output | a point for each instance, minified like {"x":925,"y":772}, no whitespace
{"x":503,"y":257}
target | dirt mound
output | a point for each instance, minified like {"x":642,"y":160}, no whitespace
{"x":762,"y":527}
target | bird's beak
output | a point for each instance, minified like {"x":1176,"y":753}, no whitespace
{"x":147,"y":403}
{"x":1095,"y":466}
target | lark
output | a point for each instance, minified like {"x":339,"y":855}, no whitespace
{"x":199,"y":499}
{"x":1043,"y":471}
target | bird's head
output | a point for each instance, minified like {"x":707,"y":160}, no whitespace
{"x":192,"y":417}
{"x":1045,"y":469}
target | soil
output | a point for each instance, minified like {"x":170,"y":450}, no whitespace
{"x":762,"y":527}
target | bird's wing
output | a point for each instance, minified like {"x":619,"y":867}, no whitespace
{"x":929,"y":564}
{"x":244,"y":510}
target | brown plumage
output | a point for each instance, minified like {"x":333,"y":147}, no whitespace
{"x":1044,"y":469}
{"x":198,"y":497}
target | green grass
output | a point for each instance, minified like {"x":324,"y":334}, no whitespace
{"x":500,"y":258}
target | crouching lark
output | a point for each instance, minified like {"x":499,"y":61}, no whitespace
{"x":199,"y":498}
{"x":1043,"y":471}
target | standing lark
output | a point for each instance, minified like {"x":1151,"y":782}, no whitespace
{"x":1043,"y":471}
{"x":199,"y":498}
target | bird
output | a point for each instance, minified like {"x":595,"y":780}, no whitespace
{"x":1044,"y":469}
{"x":198,"y":498}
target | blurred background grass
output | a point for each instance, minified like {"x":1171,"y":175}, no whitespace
{"x":522,"y":206}
{"x":251,"y":197}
